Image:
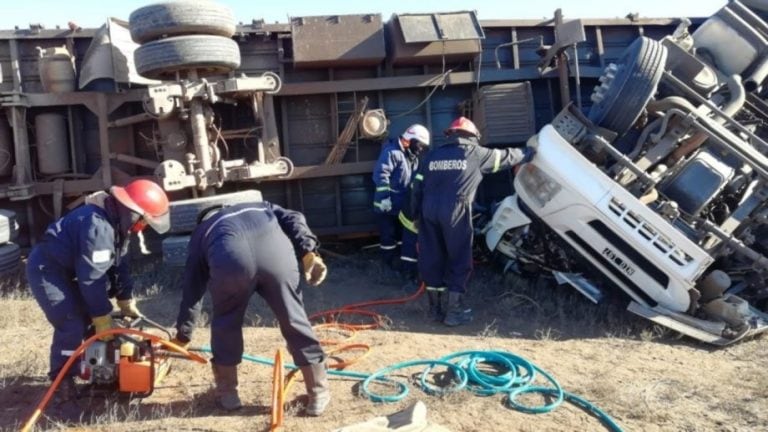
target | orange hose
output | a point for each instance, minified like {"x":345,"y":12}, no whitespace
{"x":75,"y":355}
{"x":278,"y":392}
{"x":277,"y":412}
{"x":351,"y":309}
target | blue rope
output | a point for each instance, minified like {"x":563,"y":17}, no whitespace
{"x":464,"y":366}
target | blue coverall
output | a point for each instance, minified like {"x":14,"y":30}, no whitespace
{"x":80,"y":263}
{"x":409,"y":253}
{"x":392,"y":178}
{"x":240,"y":250}
{"x":444,"y":190}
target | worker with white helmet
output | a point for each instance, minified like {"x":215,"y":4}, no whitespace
{"x":392,"y":176}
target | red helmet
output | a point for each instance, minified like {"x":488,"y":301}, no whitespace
{"x":463,"y":124}
{"x":148,"y":199}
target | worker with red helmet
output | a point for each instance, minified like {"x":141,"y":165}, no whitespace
{"x":444,"y":190}
{"x":392,"y":177}
{"x":82,"y":261}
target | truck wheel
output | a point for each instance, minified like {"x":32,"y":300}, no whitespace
{"x":9,"y":228}
{"x":210,"y":55}
{"x":628,"y":86}
{"x":10,"y":256}
{"x":184,"y":213}
{"x":181,"y":18}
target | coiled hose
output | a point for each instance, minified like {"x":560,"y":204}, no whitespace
{"x":518,"y":379}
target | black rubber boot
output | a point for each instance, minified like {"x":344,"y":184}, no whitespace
{"x":226,"y":387}
{"x":65,"y":406}
{"x":318,"y":390}
{"x":436,"y":306}
{"x":458,"y":313}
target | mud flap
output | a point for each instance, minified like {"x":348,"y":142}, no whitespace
{"x":582,"y":285}
{"x":706,"y":331}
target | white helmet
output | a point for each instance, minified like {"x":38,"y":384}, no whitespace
{"x":416,"y":132}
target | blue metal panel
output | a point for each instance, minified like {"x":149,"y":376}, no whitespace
{"x":445,"y":107}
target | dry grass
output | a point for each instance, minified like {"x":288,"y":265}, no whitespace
{"x":635,"y":371}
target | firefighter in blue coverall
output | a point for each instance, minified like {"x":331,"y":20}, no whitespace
{"x":236,"y":252}
{"x":392,"y":177}
{"x":81,"y":262}
{"x":444,"y":190}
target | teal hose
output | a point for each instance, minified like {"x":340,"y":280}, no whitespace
{"x":517,"y":380}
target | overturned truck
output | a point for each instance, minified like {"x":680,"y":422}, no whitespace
{"x":220,"y":112}
{"x":661,"y":187}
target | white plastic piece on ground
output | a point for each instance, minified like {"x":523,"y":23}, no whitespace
{"x":705,"y":331}
{"x":581,"y":284}
{"x":410,"y":419}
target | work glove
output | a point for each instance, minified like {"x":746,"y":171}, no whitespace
{"x":103,"y":323}
{"x":528,"y":154}
{"x":386,"y":205}
{"x":128,"y":308}
{"x":315,"y":269}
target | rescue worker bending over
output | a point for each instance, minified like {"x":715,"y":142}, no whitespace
{"x":245,"y":249}
{"x":82,"y":261}
{"x":392,"y":178}
{"x":444,"y":191}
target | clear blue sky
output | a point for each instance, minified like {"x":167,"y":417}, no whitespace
{"x":92,"y":13}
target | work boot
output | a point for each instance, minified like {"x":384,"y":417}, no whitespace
{"x":226,"y":387}
{"x":458,"y":313}
{"x":318,"y":391}
{"x":410,"y":280}
{"x":436,"y":307}
{"x":65,"y":406}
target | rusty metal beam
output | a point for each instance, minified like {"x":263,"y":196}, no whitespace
{"x":315,"y":171}
{"x":70,"y":187}
{"x":589,"y":22}
{"x":88,"y":99}
{"x":265,"y":29}
{"x":412,"y":81}
{"x":102,"y":113}
{"x":46,"y":34}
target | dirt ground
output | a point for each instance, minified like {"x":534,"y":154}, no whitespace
{"x":646,"y":378}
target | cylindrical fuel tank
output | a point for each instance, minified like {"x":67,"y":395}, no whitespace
{"x":57,"y":72}
{"x":52,"y":147}
{"x":6,"y":147}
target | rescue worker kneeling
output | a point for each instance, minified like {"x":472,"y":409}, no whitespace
{"x":81,"y":262}
{"x":240,"y":250}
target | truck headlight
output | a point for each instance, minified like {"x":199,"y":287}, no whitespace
{"x":537,"y":184}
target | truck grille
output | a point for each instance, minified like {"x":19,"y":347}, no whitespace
{"x":649,"y":232}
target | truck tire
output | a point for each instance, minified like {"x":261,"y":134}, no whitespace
{"x":628,"y":86}
{"x":9,"y":228}
{"x":210,"y":55}
{"x":181,"y":18}
{"x":184,"y":213}
{"x":10,"y":257}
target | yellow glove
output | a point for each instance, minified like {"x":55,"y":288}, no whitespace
{"x":103,"y":323}
{"x":128,"y":308}
{"x":315,"y":269}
